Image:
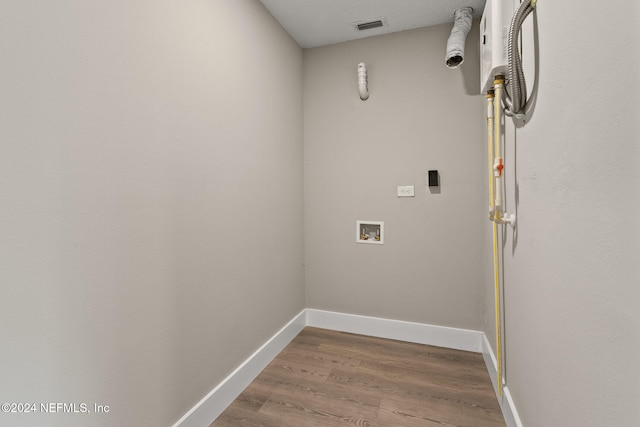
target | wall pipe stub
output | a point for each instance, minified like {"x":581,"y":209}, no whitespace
{"x":362,"y":81}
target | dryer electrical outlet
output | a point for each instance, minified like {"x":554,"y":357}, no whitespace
{"x":494,"y":32}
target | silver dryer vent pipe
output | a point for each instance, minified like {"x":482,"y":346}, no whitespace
{"x":455,"y":45}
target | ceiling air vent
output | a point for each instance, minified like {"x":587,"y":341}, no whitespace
{"x":369,"y":24}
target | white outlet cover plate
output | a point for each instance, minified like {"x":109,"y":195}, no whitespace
{"x":406,"y":191}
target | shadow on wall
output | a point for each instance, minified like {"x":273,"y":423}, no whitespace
{"x":470,"y":68}
{"x":471,"y":76}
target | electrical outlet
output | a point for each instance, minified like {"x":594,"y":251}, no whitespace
{"x":406,"y":191}
{"x":433,"y":178}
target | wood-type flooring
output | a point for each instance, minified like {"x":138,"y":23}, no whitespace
{"x":326,"y":378}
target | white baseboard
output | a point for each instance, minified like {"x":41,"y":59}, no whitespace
{"x":509,"y":411}
{"x":490,"y":361}
{"x":506,"y":402}
{"x":217,"y":400}
{"x":440,"y":336}
{"x":214,"y":403}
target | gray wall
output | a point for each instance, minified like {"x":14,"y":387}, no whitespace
{"x":420,"y":116}
{"x":150,"y":201}
{"x":572,"y":275}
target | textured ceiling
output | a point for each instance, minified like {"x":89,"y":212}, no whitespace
{"x":315,"y":23}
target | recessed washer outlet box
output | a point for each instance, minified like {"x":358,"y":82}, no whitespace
{"x":370,"y":232}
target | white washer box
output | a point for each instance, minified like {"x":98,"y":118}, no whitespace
{"x":370,"y":232}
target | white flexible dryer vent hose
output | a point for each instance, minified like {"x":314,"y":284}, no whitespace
{"x":457,"y":39}
{"x":362,"y":81}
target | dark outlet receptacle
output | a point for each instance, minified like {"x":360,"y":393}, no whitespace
{"x":434,"y":179}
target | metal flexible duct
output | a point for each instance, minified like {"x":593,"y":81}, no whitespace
{"x":516,"y":98}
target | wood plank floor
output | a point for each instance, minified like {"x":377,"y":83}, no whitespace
{"x":328,"y":378}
